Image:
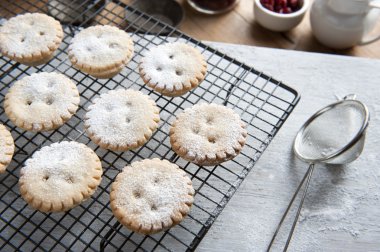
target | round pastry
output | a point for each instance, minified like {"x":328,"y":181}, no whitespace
{"x":60,"y":176}
{"x":41,"y":101}
{"x":7,"y":148}
{"x":173,"y":68}
{"x":101,"y":51}
{"x":121,"y":120}
{"x":208,"y":134}
{"x":31,"y":38}
{"x":151,"y":195}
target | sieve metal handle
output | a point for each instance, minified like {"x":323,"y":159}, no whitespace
{"x":306,"y":178}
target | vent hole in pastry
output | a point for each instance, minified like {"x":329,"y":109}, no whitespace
{"x":49,"y":101}
{"x":195,"y":130}
{"x":70,"y":180}
{"x":156,"y":180}
{"x":108,"y":107}
{"x":42,"y":33}
{"x":208,"y":120}
{"x":45,"y":178}
{"x":89,"y":49}
{"x":178,"y":72}
{"x":211,"y":139}
{"x":128,"y":120}
{"x":137,"y":194}
{"x":29,"y":102}
{"x":171,"y":56}
{"x":153,"y":207}
{"x":22,"y":39}
{"x":129,"y":103}
{"x":159,"y":69}
{"x":113,"y":45}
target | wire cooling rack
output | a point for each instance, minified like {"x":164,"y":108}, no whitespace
{"x":262,"y":102}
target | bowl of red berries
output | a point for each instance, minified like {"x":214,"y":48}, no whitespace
{"x":280,"y":15}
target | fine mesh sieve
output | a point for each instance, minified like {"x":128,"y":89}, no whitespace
{"x":333,"y":135}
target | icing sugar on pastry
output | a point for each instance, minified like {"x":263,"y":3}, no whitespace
{"x":42,"y":101}
{"x":151,"y":195}
{"x":60,"y":176}
{"x":6,"y":148}
{"x":122,"y":119}
{"x":101,"y":50}
{"x":30,"y":38}
{"x":173,"y":68}
{"x":208,"y":134}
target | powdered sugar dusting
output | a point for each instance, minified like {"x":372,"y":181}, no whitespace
{"x":150,"y":191}
{"x":42,"y":98}
{"x":170,"y":65}
{"x":29,"y":33}
{"x":6,"y":146}
{"x":208,"y":129}
{"x":122,"y":117}
{"x":60,"y":171}
{"x":332,"y":207}
{"x":101,"y":46}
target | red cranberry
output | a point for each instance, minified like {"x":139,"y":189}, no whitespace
{"x":282,"y":3}
{"x":269,"y":7}
{"x":286,"y":10}
{"x":282,"y":6}
{"x":293,"y":4}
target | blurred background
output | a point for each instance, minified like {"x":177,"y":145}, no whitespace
{"x":238,"y":26}
{"x":238,"y":22}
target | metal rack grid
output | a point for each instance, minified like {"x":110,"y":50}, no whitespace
{"x":262,"y":102}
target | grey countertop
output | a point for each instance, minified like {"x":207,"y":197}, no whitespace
{"x":342,"y":209}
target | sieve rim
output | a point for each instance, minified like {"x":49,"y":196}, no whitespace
{"x":344,"y":148}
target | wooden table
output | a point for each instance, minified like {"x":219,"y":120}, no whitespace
{"x":238,"y":27}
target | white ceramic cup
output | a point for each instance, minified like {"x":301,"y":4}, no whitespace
{"x":341,"y":24}
{"x":277,"y":21}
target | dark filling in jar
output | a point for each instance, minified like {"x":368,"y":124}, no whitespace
{"x":214,"y":5}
